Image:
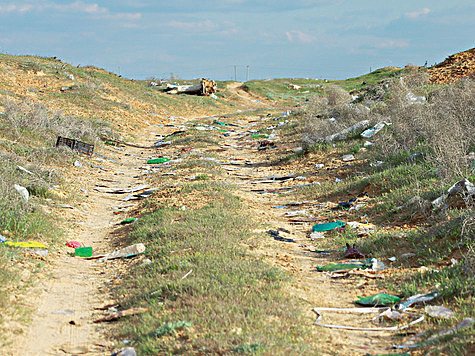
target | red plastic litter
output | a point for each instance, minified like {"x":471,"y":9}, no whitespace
{"x":73,"y":244}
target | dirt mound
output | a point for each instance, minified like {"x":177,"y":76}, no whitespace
{"x":456,"y":66}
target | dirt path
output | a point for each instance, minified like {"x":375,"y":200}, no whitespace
{"x":72,"y":288}
{"x":249,"y":166}
{"x":64,"y":324}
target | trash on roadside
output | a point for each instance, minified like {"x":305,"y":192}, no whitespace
{"x":25,"y":244}
{"x":79,"y":146}
{"x":125,"y":351}
{"x":63,"y":312}
{"x":333,"y":266}
{"x":342,"y":134}
{"x":368,"y":143}
{"x":327,"y":226}
{"x":319,"y":165}
{"x":42,"y":253}
{"x":275,"y":235}
{"x":258,"y":136}
{"x":24,"y":170}
{"x":22,"y":191}
{"x":206,"y":87}
{"x":463,"y":186}
{"x":414,"y":99}
{"x":158,"y":160}
{"x":3,"y":238}
{"x":126,"y":252}
{"x":362,"y":311}
{"x":317,"y":235}
{"x":83,"y":251}
{"x":392,"y":259}
{"x":161,"y":143}
{"x":380,"y":299}
{"x":73,"y":244}
{"x":128,"y":221}
{"x":375,"y":129}
{"x":353,"y":252}
{"x":417,"y":298}
{"x":77,"y":163}
{"x":130,"y":189}
{"x":347,"y":158}
{"x":439,"y":312}
{"x":120,"y":314}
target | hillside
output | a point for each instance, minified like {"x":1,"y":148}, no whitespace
{"x":455,"y":67}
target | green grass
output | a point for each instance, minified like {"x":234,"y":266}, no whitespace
{"x":230,"y":302}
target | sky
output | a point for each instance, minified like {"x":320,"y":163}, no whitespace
{"x":226,"y":39}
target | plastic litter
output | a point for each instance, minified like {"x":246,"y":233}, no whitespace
{"x":257,"y":136}
{"x":353,"y":252}
{"x":158,"y":160}
{"x":73,"y":244}
{"x":24,"y":170}
{"x":317,"y":235}
{"x":418,"y":298}
{"x":83,"y":251}
{"x":42,"y":253}
{"x":25,"y":244}
{"x":333,"y":266}
{"x":275,"y":235}
{"x":375,"y":129}
{"x":342,"y":134}
{"x":361,"y":311}
{"x":347,"y":158}
{"x":120,"y":314}
{"x":128,"y":251}
{"x":382,"y":299}
{"x":439,"y":312}
{"x":22,"y":191}
{"x":327,"y":226}
{"x":126,"y":351}
{"x":128,"y":221}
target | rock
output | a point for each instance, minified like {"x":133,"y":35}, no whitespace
{"x":347,"y":158}
{"x":439,"y":312}
{"x":22,"y":191}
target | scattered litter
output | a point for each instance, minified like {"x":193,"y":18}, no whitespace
{"x":126,"y":351}
{"x":258,"y":136}
{"x":414,"y":99}
{"x":361,"y":311}
{"x":347,"y":158}
{"x":95,"y":166}
{"x":337,"y":180}
{"x":319,"y":165}
{"x":466,"y":323}
{"x":342,"y":134}
{"x":353,"y":252}
{"x":42,"y":253}
{"x":161,"y":143}
{"x":22,"y":191}
{"x":66,"y":206}
{"x":128,"y":221}
{"x":376,"y":164}
{"x":77,"y":163}
{"x":375,"y":129}
{"x":158,"y":160}
{"x":73,"y":244}
{"x":317,"y":235}
{"x":275,"y":235}
{"x":83,"y":251}
{"x":186,"y":275}
{"x":327,"y":226}
{"x":407,"y":255}
{"x":64,"y":312}
{"x":368,"y":143}
{"x":120,"y":314}
{"x":25,"y":244}
{"x":418,"y":298}
{"x":333,"y":266}
{"x":128,"y":251}
{"x":439,"y":312}
{"x":380,"y":299}
{"x":79,"y":146}
{"x":24,"y":170}
{"x":392,"y":259}
{"x":3,"y":238}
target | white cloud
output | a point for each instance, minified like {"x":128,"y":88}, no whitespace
{"x":299,"y":36}
{"x":386,"y":43}
{"x":14,"y":8}
{"x":417,"y":13}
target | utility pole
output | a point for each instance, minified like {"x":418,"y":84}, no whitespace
{"x":247,"y":73}
{"x":235,"y":73}
{"x":370,"y":69}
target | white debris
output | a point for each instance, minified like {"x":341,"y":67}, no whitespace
{"x":375,"y":129}
{"x":22,"y":191}
{"x":347,"y":158}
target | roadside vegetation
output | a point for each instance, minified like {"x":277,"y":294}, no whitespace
{"x":427,"y":146}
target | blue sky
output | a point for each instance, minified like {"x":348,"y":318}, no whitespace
{"x":332,"y":39}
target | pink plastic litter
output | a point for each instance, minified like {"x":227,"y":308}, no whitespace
{"x":73,"y":244}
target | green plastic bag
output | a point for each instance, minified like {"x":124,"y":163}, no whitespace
{"x":158,"y":160}
{"x":380,"y":299}
{"x":328,"y":226}
{"x":256,"y":136}
{"x":128,"y":221}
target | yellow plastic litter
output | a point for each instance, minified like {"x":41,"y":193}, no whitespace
{"x":25,"y":244}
